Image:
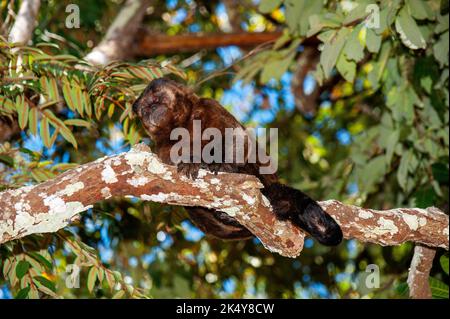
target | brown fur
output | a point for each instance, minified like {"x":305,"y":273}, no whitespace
{"x":165,"y":105}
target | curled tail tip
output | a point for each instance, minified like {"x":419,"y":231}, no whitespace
{"x":321,"y":225}
{"x":290,"y":203}
{"x":332,"y":238}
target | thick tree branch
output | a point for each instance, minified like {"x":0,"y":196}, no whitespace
{"x":419,"y":286}
{"x":50,"y":206}
{"x":22,"y":30}
{"x":117,"y":43}
{"x":151,"y":44}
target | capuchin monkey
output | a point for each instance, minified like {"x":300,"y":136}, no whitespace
{"x":166,"y":105}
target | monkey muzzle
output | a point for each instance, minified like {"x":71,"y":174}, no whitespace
{"x":158,"y":115}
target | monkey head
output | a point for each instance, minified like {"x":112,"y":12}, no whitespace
{"x":163,"y":106}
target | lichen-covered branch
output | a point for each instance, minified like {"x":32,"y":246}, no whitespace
{"x":422,"y":261}
{"x":52,"y":205}
{"x":391,"y":227}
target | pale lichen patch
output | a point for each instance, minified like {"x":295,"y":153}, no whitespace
{"x":411,"y":220}
{"x":155,"y":166}
{"x":202,"y":173}
{"x":249,"y":199}
{"x":135,"y":158}
{"x":422,"y":221}
{"x":200,"y":183}
{"x":385,"y":226}
{"x":56,"y":204}
{"x":231,"y":211}
{"x":167,"y":198}
{"x":160,"y":197}
{"x":71,"y":189}
{"x":214,"y":181}
{"x":108,"y":175}
{"x":138,"y":181}
{"x":265,"y":201}
{"x":21,"y":191}
{"x":365,"y":214}
{"x":106,"y":192}
{"x":116,"y":162}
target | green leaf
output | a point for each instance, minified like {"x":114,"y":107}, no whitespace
{"x":440,"y":49}
{"x":41,"y":175}
{"x":7,"y":267}
{"x":373,"y":41}
{"x":33,"y":120}
{"x":401,"y":101}
{"x":6,"y":105}
{"x":442,"y":25}
{"x":331,"y":51}
{"x":409,"y":31}
{"x":87,"y":104}
{"x":318,"y":22}
{"x":78,"y":99}
{"x":77,"y":122}
{"x":47,"y":283}
{"x":62,"y":128}
{"x":274,"y":69}
{"x":427,"y":83}
{"x":22,"y":268}
{"x":22,"y":111}
{"x":119,"y":294}
{"x":373,"y":173}
{"x":379,"y":66}
{"x":46,"y":290}
{"x":52,"y":89}
{"x":358,"y":13}
{"x":346,"y":68}
{"x":439,"y":290}
{"x":41,"y":259}
{"x":5,"y":159}
{"x":420,"y":9}
{"x":101,"y":275}
{"x":440,"y":172}
{"x":69,"y":95}
{"x":23,"y":293}
{"x":92,"y":278}
{"x":444,"y":263}
{"x":402,"y":289}
{"x":45,"y":132}
{"x":110,"y":279}
{"x":298,"y":13}
{"x":354,"y":49}
{"x":402,"y":172}
{"x":267,"y":6}
{"x":425,"y":197}
{"x":392,"y":141}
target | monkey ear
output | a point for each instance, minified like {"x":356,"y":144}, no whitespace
{"x":182,"y":108}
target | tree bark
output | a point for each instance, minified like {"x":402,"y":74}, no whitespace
{"x":52,"y":205}
{"x":419,"y":287}
{"x":22,"y":30}
{"x":118,"y":42}
{"x":152,"y":44}
{"x":21,"y":33}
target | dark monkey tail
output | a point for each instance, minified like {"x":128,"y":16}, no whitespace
{"x":301,"y":210}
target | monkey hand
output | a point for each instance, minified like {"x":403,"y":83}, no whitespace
{"x":191,"y":170}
